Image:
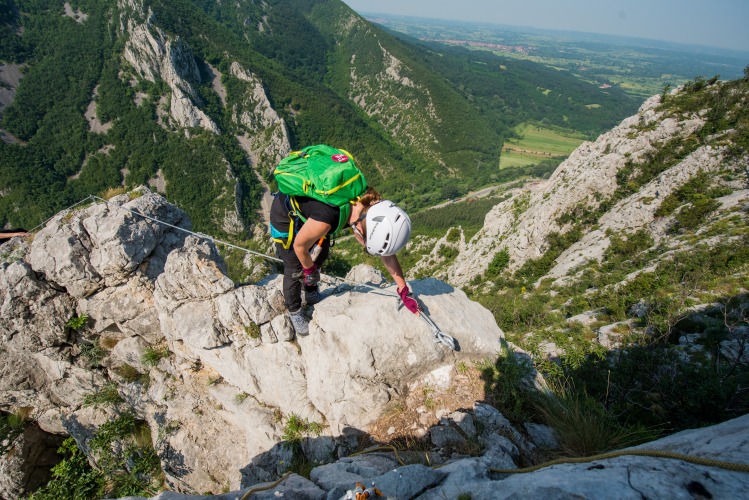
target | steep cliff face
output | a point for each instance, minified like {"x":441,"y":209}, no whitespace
{"x":388,"y":91}
{"x":266,"y":137}
{"x":593,"y":187}
{"x":156,"y":56}
{"x":231,"y":372}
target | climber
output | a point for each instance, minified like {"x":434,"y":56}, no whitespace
{"x":378,"y":225}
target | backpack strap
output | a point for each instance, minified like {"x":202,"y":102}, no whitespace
{"x":295,"y":215}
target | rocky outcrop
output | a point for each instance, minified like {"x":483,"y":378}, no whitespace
{"x":390,"y":94}
{"x":669,"y":475}
{"x":230,"y":371}
{"x":266,"y":139}
{"x":26,"y":460}
{"x":521,"y":224}
{"x":156,"y":56}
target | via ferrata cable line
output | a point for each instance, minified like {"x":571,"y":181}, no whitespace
{"x":439,"y":336}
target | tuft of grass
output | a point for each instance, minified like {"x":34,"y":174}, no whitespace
{"x":108,"y":343}
{"x":131,"y":374}
{"x":106,"y":395}
{"x":252,"y":330}
{"x":110,"y":193}
{"x":583,"y":425}
{"x":152,"y":355}
{"x":11,"y":425}
{"x":93,"y":353}
{"x":297,"y":428}
{"x":239,"y":398}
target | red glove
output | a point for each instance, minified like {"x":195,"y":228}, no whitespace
{"x":311,"y":276}
{"x":408,"y":300}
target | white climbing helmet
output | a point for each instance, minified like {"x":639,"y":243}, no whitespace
{"x":388,"y":228}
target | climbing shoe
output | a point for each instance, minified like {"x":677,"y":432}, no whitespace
{"x":300,"y":322}
{"x":313,"y":297}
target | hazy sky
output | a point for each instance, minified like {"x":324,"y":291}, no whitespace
{"x":716,"y":23}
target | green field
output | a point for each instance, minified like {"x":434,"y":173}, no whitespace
{"x":537,"y":144}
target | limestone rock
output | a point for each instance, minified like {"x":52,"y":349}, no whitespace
{"x":102,"y":245}
{"x":61,"y":253}
{"x":542,"y":436}
{"x":27,"y":461}
{"x":191,"y":273}
{"x":266,"y":137}
{"x":232,"y":371}
{"x":521,"y":224}
{"x":32,"y":313}
{"x":154,"y":55}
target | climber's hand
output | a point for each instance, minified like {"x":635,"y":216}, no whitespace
{"x":408,"y":300}
{"x":311,"y":276}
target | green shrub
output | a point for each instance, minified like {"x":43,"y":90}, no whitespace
{"x":499,"y":263}
{"x":447,"y":252}
{"x":252,"y":330}
{"x":517,"y":312}
{"x":692,"y":216}
{"x":72,"y":478}
{"x":77,"y":322}
{"x":127,"y":465}
{"x":655,"y":386}
{"x":124,"y":453}
{"x":628,"y":246}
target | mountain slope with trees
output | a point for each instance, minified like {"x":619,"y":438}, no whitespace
{"x":250,"y":81}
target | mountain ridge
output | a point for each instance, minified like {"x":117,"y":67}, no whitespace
{"x":157,"y":108}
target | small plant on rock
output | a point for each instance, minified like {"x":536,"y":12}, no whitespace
{"x":77,"y":322}
{"x":106,"y":395}
{"x":93,"y":353}
{"x":152,"y":355}
{"x":252,"y":330}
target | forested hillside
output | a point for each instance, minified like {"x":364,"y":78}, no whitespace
{"x":201,"y":98}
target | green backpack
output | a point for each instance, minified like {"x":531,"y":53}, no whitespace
{"x":324,"y":173}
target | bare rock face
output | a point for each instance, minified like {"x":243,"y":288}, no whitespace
{"x":25,"y":465}
{"x":103,"y":245}
{"x":154,"y":55}
{"x":521,"y":224}
{"x":267,"y":137}
{"x":232,"y":370}
{"x":665,"y":475}
{"x":33,"y":314}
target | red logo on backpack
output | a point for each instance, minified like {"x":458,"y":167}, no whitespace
{"x":339,"y":158}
